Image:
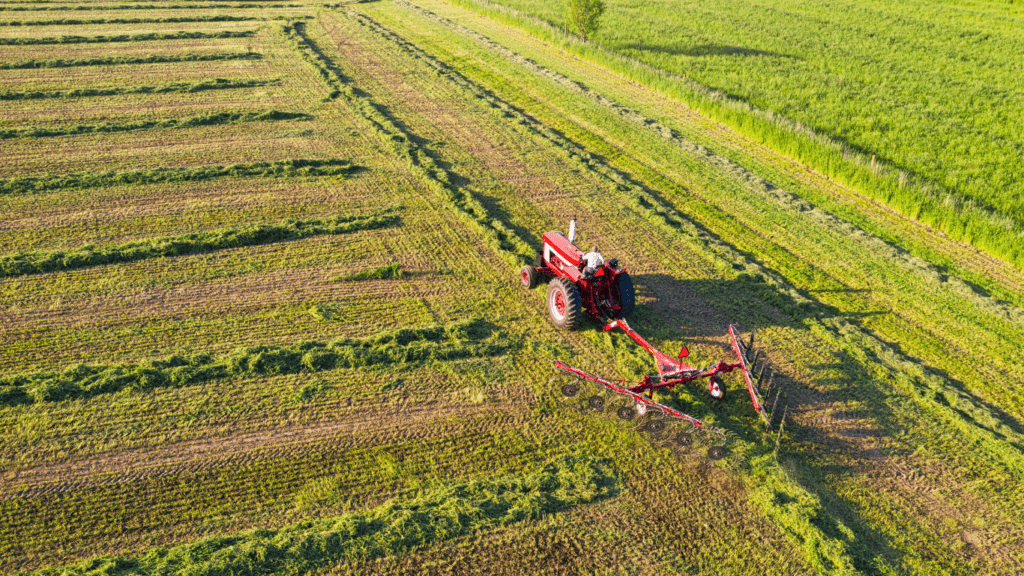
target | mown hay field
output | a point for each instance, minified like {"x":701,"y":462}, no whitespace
{"x":261,"y":313}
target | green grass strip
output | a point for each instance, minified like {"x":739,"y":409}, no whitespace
{"x":186,"y":122}
{"x":435,"y":515}
{"x":172,"y":20}
{"x":105,"y":7}
{"x":497,"y":234}
{"x":389,"y":272}
{"x":467,"y":339}
{"x":215,"y":84}
{"x":24,"y":263}
{"x":294,"y":167}
{"x":120,"y":60}
{"x":127,"y":37}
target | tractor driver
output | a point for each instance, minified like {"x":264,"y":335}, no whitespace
{"x":594,"y":261}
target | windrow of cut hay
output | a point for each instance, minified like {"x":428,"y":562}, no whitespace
{"x":167,"y":20}
{"x":408,"y":346}
{"x":110,"y":6}
{"x":279,"y":168}
{"x":435,"y":515}
{"x":391,"y":271}
{"x":497,"y":234}
{"x":127,"y":60}
{"x":183,"y":87}
{"x":126,"y":37}
{"x":220,"y":118}
{"x":41,"y":262}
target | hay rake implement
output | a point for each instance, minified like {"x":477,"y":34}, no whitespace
{"x":635,"y":399}
{"x":583,"y":283}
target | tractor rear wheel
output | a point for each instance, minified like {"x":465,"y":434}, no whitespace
{"x":564,"y":304}
{"x":528,"y":274}
{"x":624,"y":295}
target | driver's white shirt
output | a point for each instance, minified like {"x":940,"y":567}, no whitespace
{"x":593,"y":259}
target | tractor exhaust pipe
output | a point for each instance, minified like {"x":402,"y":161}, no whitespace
{"x":572,"y":229}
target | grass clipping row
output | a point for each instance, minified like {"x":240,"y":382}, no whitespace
{"x":54,"y":261}
{"x":436,"y":515}
{"x":295,"y":167}
{"x":183,"y":87}
{"x":469,"y":338}
{"x":219,"y":118}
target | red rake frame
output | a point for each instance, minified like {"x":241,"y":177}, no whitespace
{"x":673,"y":371}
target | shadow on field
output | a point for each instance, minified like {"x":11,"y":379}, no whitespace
{"x":704,"y":308}
{"x":704,"y":50}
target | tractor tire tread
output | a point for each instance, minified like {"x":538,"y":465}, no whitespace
{"x":573,"y":318}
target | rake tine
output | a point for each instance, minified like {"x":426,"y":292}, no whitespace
{"x":750,"y":345}
{"x":760,"y":375}
{"x":757,"y":356}
{"x":775,"y":402}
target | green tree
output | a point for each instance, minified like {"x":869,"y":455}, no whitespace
{"x":582,"y":16}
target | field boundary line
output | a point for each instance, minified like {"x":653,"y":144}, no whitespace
{"x":220,"y":118}
{"x":779,"y":196}
{"x":24,"y":263}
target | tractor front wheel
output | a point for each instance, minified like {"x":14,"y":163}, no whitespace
{"x":564,"y":304}
{"x":528,"y":274}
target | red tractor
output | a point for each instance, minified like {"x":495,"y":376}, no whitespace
{"x":581,"y":281}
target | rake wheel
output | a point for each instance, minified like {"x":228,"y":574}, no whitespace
{"x":626,"y":413}
{"x":596,"y":402}
{"x":570,"y":390}
{"x":654,"y":427}
{"x":716,"y":452}
{"x":684,"y":440}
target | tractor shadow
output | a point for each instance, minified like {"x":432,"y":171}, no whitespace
{"x":699,"y":309}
